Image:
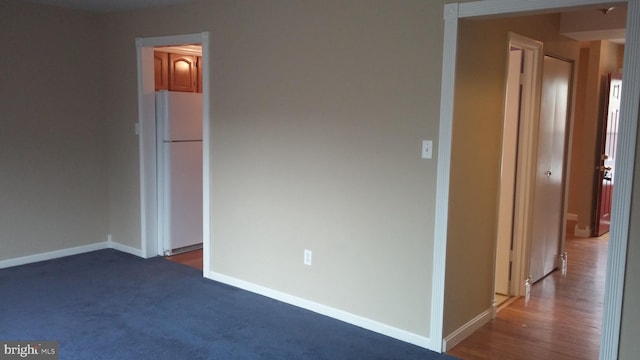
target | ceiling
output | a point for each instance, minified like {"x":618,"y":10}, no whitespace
{"x":595,"y":24}
{"x":100,"y":6}
{"x":608,"y":32}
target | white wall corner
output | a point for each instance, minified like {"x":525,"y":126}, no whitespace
{"x":321,"y":309}
{"x":583,"y":233}
{"x":124,"y":248}
{"x":467,"y":329}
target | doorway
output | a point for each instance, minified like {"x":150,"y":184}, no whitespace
{"x":627,"y":142}
{"x":179,"y":147}
{"x":540,"y":252}
{"x":146,"y":130}
{"x":606,"y":169}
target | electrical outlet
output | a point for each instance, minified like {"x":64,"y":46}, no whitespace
{"x":307,"y":257}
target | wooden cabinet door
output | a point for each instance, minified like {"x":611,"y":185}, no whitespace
{"x":183,"y":73}
{"x":161,"y":70}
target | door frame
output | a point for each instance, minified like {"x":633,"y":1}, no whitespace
{"x":146,"y":130}
{"x":626,"y":154}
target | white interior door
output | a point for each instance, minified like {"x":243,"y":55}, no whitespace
{"x":508,"y":172}
{"x":549,"y":179}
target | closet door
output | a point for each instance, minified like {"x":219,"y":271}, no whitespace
{"x":550,"y":169}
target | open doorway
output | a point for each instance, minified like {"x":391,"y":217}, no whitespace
{"x":178,"y":84}
{"x":477,"y":9}
{"x":608,"y":135}
{"x":541,"y":251}
{"x":595,"y":137}
{"x":152,"y":242}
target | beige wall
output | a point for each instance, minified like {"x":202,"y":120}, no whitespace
{"x":601,"y":57}
{"x":475,"y":162}
{"x":318,"y":112}
{"x":318,"y":109}
{"x":53,"y":186}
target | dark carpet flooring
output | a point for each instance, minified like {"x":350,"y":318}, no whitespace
{"x":111,"y":305}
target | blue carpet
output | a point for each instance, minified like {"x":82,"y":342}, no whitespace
{"x":111,"y":305}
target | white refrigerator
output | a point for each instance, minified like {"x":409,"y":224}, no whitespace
{"x":179,"y":139}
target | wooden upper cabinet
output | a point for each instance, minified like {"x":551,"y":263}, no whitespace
{"x":183,"y":73}
{"x":161,"y":70}
{"x":177,"y":72}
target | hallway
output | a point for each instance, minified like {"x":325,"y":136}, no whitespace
{"x":562,"y":320}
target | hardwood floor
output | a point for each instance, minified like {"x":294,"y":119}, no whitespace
{"x":562,"y":319}
{"x":191,"y":258}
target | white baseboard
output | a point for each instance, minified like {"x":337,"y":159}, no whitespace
{"x":467,"y":329}
{"x":52,"y":255}
{"x":572,"y":217}
{"x":334,"y":313}
{"x":109,"y":244}
{"x":341,"y":315}
{"x":584,"y":233}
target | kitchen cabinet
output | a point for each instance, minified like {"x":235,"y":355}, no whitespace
{"x":177,"y":72}
{"x":161,"y":70}
{"x":183,"y":73}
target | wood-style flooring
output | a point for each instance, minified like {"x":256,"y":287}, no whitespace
{"x":191,"y":258}
{"x":562,"y":319}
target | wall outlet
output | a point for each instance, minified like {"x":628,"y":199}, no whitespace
{"x":307,"y":257}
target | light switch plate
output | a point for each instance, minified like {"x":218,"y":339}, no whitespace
{"x":427,"y":149}
{"x":307,"y":257}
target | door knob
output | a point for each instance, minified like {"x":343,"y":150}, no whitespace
{"x":604,"y":168}
{"x":548,"y":173}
